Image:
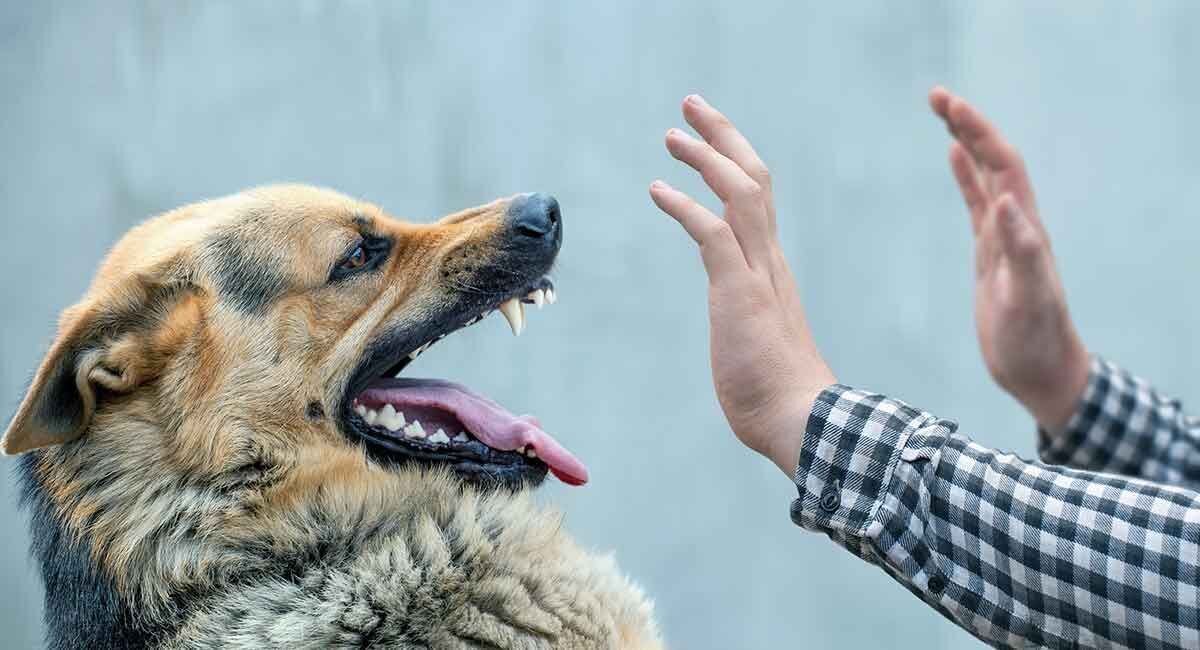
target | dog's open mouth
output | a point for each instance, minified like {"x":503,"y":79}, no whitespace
{"x":434,"y":421}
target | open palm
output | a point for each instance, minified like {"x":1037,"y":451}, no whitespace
{"x":1028,"y":340}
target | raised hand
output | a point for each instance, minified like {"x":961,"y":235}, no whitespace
{"x":1028,"y":340}
{"x":766,"y":367}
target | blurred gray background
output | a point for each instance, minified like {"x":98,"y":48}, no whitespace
{"x":114,"y":111}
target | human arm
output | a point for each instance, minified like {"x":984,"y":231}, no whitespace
{"x":1017,"y":553}
{"x":1091,"y":414}
{"x":1123,"y":425}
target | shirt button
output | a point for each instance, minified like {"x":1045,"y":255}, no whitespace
{"x":831,"y":498}
{"x":936,"y":584}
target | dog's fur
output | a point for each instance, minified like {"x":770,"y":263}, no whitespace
{"x":189,"y":485}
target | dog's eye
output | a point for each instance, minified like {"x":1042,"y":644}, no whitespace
{"x":356,"y":260}
{"x":369,"y":253}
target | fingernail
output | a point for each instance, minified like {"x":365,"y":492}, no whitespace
{"x":696,"y":100}
{"x":658,"y":185}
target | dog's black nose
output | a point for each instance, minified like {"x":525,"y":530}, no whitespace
{"x":535,"y":215}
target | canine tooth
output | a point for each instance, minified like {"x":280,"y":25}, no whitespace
{"x":514,"y":313}
{"x":439,"y":437}
{"x":461,"y":437}
{"x":416,"y":353}
{"x":371,"y":417}
{"x":521,"y":449}
{"x":360,"y":410}
{"x":550,"y":297}
{"x":531,"y":453}
{"x":539,"y":297}
{"x":414,"y":430}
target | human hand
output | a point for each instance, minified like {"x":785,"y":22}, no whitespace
{"x":766,"y":368}
{"x":1029,"y":342}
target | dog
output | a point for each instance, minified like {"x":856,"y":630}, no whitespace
{"x":218,"y":452}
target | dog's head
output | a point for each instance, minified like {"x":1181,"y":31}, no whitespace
{"x":268,"y":327}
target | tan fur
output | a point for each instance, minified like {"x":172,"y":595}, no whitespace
{"x":192,"y":470}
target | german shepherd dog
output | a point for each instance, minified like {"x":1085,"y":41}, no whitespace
{"x":219,"y":452}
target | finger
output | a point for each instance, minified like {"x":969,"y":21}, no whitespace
{"x":970,"y":184}
{"x":718,"y":131}
{"x":984,"y":141}
{"x":989,"y":244}
{"x":1019,"y":238}
{"x":718,"y":246}
{"x":745,"y":200}
{"x":939,"y":101}
{"x":999,"y":163}
{"x":728,"y":181}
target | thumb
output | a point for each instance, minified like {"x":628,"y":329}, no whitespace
{"x":1020,"y":240}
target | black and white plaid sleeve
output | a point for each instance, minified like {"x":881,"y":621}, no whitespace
{"x":1020,"y":554}
{"x":1123,"y":426}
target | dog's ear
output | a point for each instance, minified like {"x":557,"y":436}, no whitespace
{"x":109,"y":344}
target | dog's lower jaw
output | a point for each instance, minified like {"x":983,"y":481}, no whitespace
{"x":465,"y":570}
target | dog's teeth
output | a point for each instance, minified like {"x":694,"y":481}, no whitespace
{"x":461,"y":437}
{"x":550,"y":297}
{"x":539,"y":297}
{"x":416,"y":353}
{"x":360,"y":410}
{"x":391,"y":418}
{"x":514,"y":313}
{"x":531,"y":453}
{"x":521,"y":449}
{"x":439,"y":437}
{"x":371,"y":417}
{"x":414,"y":430}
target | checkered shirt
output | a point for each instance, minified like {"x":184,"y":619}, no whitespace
{"x":1024,"y":554}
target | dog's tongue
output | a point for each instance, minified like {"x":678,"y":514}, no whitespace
{"x":486,"y":420}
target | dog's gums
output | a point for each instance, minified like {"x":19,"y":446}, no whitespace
{"x":436,"y":421}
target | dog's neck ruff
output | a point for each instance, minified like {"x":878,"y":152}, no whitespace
{"x":412,"y":561}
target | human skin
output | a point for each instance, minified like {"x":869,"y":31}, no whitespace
{"x":767,"y":368}
{"x":1029,"y":342}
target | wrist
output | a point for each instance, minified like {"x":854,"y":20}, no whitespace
{"x":790,"y":423}
{"x":1053,"y":405}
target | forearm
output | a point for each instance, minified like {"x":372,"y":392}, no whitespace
{"x":1122,"y":425}
{"x":1015,"y":552}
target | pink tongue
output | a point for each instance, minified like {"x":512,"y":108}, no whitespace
{"x":485,"y":419}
